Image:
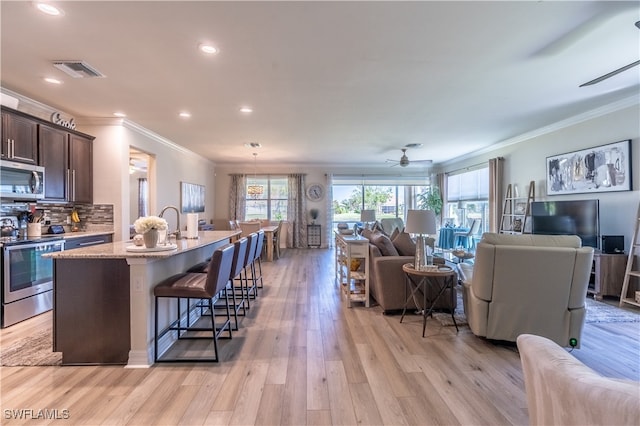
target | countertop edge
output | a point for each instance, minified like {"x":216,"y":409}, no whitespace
{"x":117,"y":250}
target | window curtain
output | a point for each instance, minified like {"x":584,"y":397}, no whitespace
{"x":496,"y":178}
{"x":296,"y":212}
{"x":442,"y":187}
{"x":143,"y":196}
{"x":328,"y":222}
{"x":237,"y":197}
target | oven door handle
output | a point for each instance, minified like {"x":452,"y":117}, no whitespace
{"x":35,"y":182}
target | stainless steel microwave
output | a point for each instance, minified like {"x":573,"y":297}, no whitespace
{"x":20,"y":181}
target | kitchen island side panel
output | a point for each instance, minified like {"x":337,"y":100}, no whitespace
{"x":92,"y":311}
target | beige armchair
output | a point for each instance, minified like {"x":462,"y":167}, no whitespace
{"x":561,"y":390}
{"x":534,"y":284}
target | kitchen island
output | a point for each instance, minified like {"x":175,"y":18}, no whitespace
{"x":103,"y":309}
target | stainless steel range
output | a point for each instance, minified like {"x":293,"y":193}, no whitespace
{"x":27,"y":277}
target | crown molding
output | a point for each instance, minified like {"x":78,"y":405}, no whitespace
{"x":627,"y":102}
{"x":44,"y":111}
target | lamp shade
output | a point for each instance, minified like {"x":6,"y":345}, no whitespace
{"x":368,"y":216}
{"x":421,"y":222}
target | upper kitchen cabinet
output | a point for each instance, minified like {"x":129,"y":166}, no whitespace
{"x":68,"y":161}
{"x":54,"y":157}
{"x":81,"y":166}
{"x":19,"y":138}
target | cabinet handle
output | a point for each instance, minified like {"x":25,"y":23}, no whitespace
{"x":73,"y":174}
{"x":90,"y":243}
{"x":13,"y":148}
{"x":69,"y":185}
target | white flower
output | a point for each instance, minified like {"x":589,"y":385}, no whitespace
{"x":144,"y":224}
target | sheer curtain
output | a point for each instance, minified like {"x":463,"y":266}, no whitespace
{"x":328,"y":221}
{"x":496,"y":178}
{"x":237,"y":197}
{"x":143,"y":197}
{"x":442,"y":187}
{"x":296,"y":212}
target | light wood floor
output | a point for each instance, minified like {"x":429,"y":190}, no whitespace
{"x":302,"y":357}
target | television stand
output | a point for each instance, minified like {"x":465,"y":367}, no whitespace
{"x":607,"y":274}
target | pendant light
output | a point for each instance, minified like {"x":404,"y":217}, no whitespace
{"x":255,"y":190}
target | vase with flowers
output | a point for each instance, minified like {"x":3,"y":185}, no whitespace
{"x":149,"y":226}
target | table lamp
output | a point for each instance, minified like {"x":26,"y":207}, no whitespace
{"x":421,"y":223}
{"x":367,"y":216}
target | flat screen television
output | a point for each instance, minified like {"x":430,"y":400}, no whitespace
{"x":576,"y":217}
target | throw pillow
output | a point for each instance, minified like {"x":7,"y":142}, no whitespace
{"x":404,"y":244}
{"x":369,"y":234}
{"x":394,"y":234}
{"x":385,"y":245}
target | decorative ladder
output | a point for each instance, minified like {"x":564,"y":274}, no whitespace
{"x":516,"y":210}
{"x":633,"y":269}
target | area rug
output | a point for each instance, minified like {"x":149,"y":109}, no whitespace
{"x":597,"y":312}
{"x":33,"y":350}
{"x":603,"y":312}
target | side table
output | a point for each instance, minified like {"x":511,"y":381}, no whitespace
{"x":419,"y":280}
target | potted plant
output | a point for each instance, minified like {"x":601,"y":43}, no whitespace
{"x":431,"y":200}
{"x":314,"y":213}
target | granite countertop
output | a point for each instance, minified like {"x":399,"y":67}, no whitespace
{"x":79,"y":234}
{"x":118,"y":250}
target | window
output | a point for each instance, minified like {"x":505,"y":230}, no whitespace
{"x":389,"y":196}
{"x":468,"y":198}
{"x":267,"y":197}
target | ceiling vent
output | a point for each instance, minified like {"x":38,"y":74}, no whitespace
{"x":78,"y":69}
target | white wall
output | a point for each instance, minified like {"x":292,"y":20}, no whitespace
{"x":170,"y":165}
{"x":526,"y":161}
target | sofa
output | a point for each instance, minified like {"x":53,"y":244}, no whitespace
{"x":386,"y":277}
{"x":561,"y":390}
{"x":534,"y":284}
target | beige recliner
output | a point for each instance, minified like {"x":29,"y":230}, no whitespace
{"x":535,"y":284}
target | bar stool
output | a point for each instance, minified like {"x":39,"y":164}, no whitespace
{"x":239,"y":257}
{"x":256,"y":269}
{"x":247,"y":269}
{"x":197,"y":286}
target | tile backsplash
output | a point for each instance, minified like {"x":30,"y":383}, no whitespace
{"x":56,"y":214}
{"x":96,"y":214}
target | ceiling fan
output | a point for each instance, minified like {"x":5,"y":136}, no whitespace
{"x":614,"y":72}
{"x":404,"y":160}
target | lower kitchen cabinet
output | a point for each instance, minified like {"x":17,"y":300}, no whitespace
{"x":91,"y":315}
{"x":80,"y":242}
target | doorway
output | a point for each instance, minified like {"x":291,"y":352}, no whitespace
{"x":140,"y":193}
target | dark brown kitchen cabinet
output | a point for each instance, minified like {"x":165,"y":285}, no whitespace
{"x":19,"y":138}
{"x":54,"y":157}
{"x":68,"y":161}
{"x":81,"y":168}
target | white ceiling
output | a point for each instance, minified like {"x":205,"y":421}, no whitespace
{"x":333,"y":83}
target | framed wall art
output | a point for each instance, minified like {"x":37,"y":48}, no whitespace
{"x":602,"y":168}
{"x":191,"y":197}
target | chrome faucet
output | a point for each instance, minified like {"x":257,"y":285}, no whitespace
{"x":177,"y":232}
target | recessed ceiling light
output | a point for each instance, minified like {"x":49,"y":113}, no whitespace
{"x":185,"y":114}
{"x":52,"y":80}
{"x":246,"y":110}
{"x":119,"y":114}
{"x":49,"y":9}
{"x":208,"y":49}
